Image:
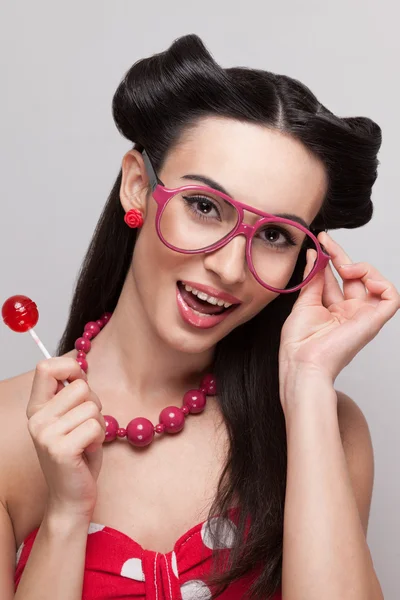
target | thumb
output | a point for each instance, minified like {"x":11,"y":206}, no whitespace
{"x":311,"y":293}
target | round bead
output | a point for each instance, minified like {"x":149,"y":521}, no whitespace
{"x":82,"y":362}
{"x":121,"y":433}
{"x":159,"y":428}
{"x":82,"y":344}
{"x":185,"y":410}
{"x":20,"y":313}
{"x":92,"y":327}
{"x":195,"y":400}
{"x":209,"y":385}
{"x":140,"y":431}
{"x":173,"y":419}
{"x":87,"y":335}
{"x":100,"y":323}
{"x":111,"y":428}
{"x":106,"y":317}
{"x":81,"y":354}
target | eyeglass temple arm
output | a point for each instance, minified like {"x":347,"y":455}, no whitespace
{"x":154,"y":181}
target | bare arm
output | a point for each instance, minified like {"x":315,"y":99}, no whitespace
{"x":68,"y":431}
{"x":55,"y":567}
{"x":325,"y":552}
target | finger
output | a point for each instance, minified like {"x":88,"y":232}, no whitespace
{"x":311,"y":293}
{"x":332,"y":293}
{"x":351,"y":288}
{"x":89,"y":432}
{"x":69,"y":398}
{"x":389,"y":298}
{"x":361,"y":270}
{"x":75,"y":417}
{"x":46,"y":380}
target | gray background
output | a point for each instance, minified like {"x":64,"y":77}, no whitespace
{"x":60,"y":154}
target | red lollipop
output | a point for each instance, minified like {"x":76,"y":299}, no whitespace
{"x":20,"y":313}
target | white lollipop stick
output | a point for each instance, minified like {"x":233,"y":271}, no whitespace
{"x":42,"y":347}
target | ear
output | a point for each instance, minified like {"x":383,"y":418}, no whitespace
{"x":135,"y":182}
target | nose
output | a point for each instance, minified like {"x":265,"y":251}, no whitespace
{"x":229,"y":262}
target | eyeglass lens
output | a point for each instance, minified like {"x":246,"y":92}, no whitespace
{"x":193,"y":220}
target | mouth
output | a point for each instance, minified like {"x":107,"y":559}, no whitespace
{"x":200,"y":309}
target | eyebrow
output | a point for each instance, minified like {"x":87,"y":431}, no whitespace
{"x":216,"y":186}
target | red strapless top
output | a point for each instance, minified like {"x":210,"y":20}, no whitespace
{"x":118,"y":568}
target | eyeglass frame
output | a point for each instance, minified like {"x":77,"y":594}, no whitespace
{"x":162,"y":195}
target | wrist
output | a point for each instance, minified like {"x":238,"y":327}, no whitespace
{"x":301,"y":385}
{"x":290,"y":372}
{"x":63,"y":520}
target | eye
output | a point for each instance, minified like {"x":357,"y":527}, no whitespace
{"x":202,"y":206}
{"x":277,"y":236}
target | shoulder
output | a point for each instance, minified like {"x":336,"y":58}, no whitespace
{"x":353,"y":424}
{"x":358,"y":449}
{"x":15,"y":439}
{"x":17,"y":451}
{"x":14,"y":395}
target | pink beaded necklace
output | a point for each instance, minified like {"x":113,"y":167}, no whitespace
{"x":140,"y":431}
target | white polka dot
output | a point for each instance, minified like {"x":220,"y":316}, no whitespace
{"x":227,"y":533}
{"x":19,"y":552}
{"x":132,"y":568}
{"x":94,"y":527}
{"x":174,"y":564}
{"x":195,"y":590}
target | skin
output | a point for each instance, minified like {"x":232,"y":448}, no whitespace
{"x":147,"y":357}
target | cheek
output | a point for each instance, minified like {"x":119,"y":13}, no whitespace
{"x":156,"y":268}
{"x":150,"y":254}
{"x":261,"y":297}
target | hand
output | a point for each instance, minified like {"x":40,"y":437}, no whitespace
{"x":327,"y":326}
{"x":68,"y":431}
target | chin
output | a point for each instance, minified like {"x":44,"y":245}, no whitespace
{"x":182,"y":337}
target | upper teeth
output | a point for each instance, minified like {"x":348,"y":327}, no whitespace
{"x":210,"y":299}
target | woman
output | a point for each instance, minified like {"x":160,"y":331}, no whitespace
{"x":217,"y":331}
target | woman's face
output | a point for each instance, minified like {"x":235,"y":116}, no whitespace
{"x":260,"y":167}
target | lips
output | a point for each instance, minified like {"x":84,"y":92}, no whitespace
{"x":201,"y":306}
{"x":204,"y":320}
{"x":210,"y":291}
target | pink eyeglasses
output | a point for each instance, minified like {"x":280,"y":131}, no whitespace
{"x":196,"y":219}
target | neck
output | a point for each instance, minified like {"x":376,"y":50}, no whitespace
{"x":129,"y":360}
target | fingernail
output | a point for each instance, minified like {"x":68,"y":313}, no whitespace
{"x":344,"y":266}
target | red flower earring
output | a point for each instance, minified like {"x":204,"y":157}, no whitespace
{"x":133,"y":218}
